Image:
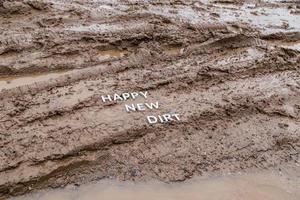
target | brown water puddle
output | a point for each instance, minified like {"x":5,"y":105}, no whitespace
{"x":111,"y":54}
{"x":257,"y":186}
{"x":174,"y":50}
{"x":9,"y":82}
{"x":288,"y":45}
{"x":292,"y":45}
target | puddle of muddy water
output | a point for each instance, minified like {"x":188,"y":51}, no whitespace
{"x":258,"y":186}
{"x":287,"y":45}
{"x":295,"y":46}
{"x":270,"y":20}
{"x":243,"y":55}
{"x":107,"y":54}
{"x":16,"y":81}
{"x":174,"y":50}
{"x":111,"y":54}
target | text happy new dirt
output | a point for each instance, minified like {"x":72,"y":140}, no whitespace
{"x":164,"y":118}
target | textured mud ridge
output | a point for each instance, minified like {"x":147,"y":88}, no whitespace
{"x":235,"y":83}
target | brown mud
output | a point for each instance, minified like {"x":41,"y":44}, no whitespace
{"x":229,"y":68}
{"x":265,"y":185}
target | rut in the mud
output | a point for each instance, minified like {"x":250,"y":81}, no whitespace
{"x":236,"y":86}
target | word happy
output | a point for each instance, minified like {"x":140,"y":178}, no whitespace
{"x":124,"y":96}
{"x":152,"y":119}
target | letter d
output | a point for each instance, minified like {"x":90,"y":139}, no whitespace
{"x":152,"y":119}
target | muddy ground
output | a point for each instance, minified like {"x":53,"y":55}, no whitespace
{"x":229,"y":68}
{"x":265,"y":185}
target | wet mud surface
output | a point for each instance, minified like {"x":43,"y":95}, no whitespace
{"x":266,"y":185}
{"x":229,"y":68}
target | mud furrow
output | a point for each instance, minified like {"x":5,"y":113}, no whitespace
{"x":222,"y":112}
{"x":217,"y":161}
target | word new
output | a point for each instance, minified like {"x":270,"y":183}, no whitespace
{"x":141,"y":106}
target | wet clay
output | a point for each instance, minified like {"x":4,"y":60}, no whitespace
{"x":229,"y":68}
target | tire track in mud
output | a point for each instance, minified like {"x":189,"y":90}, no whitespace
{"x":49,"y":47}
{"x":207,"y":76}
{"x":174,"y":81}
{"x":205,"y":115}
